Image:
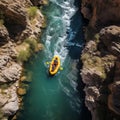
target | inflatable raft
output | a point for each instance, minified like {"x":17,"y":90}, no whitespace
{"x":54,"y":65}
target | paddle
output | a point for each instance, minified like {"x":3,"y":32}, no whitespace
{"x":61,"y":68}
{"x":47,"y":63}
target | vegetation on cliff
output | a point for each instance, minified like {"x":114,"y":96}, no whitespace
{"x":20,"y":29}
{"x":100,"y":58}
{"x":32,"y":12}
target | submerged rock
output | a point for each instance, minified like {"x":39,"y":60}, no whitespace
{"x":21,"y":91}
{"x":23,"y":78}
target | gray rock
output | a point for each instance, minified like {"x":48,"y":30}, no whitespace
{"x":18,"y":27}
{"x":4,"y":59}
{"x":4,"y":35}
{"x":92,"y":94}
{"x":110,"y":36}
{"x":9,"y":100}
{"x":12,"y":73}
{"x":14,"y":9}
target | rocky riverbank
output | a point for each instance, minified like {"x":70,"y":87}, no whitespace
{"x":20,"y":28}
{"x":101,"y":58}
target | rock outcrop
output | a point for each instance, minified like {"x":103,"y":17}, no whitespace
{"x":8,"y":100}
{"x":100,"y":72}
{"x":110,"y":36}
{"x":20,"y":25}
{"x":101,"y":12}
{"x":101,"y":58}
{"x":10,"y":72}
{"x":4,"y":35}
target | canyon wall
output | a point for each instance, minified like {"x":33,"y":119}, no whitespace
{"x":101,"y":12}
{"x":20,"y":28}
{"x":101,"y":58}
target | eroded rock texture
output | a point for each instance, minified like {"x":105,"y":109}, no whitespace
{"x":101,"y":57}
{"x":101,"y":71}
{"x":101,"y":12}
{"x":19,"y":21}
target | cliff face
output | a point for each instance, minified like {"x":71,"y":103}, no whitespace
{"x":19,"y":22}
{"x":101,"y":59}
{"x":101,"y":12}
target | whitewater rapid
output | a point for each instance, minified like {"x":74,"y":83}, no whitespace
{"x":58,"y":34}
{"x":61,"y":24}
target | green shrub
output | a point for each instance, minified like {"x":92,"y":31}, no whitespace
{"x":23,"y":55}
{"x":1,"y":22}
{"x":97,"y":38}
{"x":32,"y":12}
{"x":1,"y":18}
{"x":27,"y":48}
{"x":102,"y":71}
{"x":33,"y":43}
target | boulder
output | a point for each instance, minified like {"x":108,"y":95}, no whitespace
{"x":21,"y":91}
{"x":92,"y":95}
{"x":110,"y":36}
{"x":11,"y":74}
{"x":8,"y":99}
{"x":4,"y":59}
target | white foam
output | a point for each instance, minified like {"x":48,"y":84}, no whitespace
{"x":68,"y":10}
{"x":47,"y":43}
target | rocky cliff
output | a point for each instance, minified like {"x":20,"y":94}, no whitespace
{"x":20,"y":27}
{"x":101,"y":58}
{"x":101,"y":12}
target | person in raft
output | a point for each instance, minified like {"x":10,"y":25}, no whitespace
{"x":56,"y":61}
{"x":54,"y":64}
{"x":53,"y":67}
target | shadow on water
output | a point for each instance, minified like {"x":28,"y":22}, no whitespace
{"x":85,"y":114}
{"x":75,"y":38}
{"x":75,"y":43}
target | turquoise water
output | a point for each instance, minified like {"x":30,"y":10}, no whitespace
{"x":57,"y":97}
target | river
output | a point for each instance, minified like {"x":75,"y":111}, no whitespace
{"x":60,"y":97}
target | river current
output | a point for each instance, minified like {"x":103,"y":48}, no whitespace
{"x":60,"y":97}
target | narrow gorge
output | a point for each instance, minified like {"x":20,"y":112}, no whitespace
{"x":57,"y":97}
{"x":85,"y":34}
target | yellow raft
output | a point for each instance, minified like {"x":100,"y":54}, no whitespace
{"x":53,"y":72}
